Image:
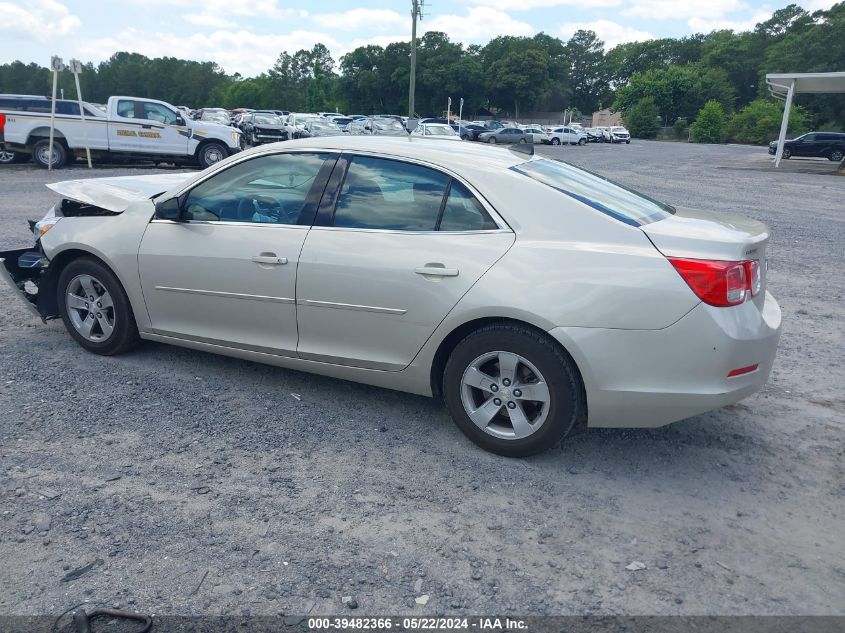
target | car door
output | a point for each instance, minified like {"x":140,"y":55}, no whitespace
{"x":805,"y":145}
{"x":147,"y":127}
{"x":394,"y":248}
{"x":226,"y":273}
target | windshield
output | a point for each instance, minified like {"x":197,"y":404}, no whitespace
{"x":439,"y":130}
{"x":387,"y":124}
{"x":266,"y":119}
{"x":617,"y":201}
{"x":215,"y":117}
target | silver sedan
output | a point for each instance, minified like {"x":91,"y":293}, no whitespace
{"x":505,"y":135}
{"x":534,"y":297}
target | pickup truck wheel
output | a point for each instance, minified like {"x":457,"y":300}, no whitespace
{"x":211,"y":153}
{"x":582,"y":141}
{"x":95,"y":309}
{"x":41,"y":154}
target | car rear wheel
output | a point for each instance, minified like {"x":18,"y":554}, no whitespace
{"x":786,"y":152}
{"x":512,"y":390}
{"x":95,"y":309}
{"x":836,"y":155}
{"x":465,"y":137}
{"x":555,"y":141}
{"x":8,"y":157}
{"x":522,"y":140}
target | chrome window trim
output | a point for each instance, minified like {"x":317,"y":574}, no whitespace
{"x":302,"y":227}
{"x":406,"y":232}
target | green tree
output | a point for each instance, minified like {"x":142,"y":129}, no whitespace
{"x":588,"y":71}
{"x":709,"y":126}
{"x":759,"y":122}
{"x":642,"y":118}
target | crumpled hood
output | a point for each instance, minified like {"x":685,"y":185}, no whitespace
{"x":116,"y":193}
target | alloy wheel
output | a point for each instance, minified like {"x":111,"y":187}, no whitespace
{"x":90,"y":308}
{"x":6,"y":156}
{"x":505,"y":395}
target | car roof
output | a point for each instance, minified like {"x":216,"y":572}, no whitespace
{"x":456,"y":157}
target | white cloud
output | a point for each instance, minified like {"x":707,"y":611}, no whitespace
{"x":611,"y":33}
{"x":357,"y":19}
{"x":205,"y":19}
{"x":705,"y":25}
{"x":683,"y":9}
{"x":479,"y":24}
{"x":525,"y":5}
{"x":817,"y":5}
{"x":235,"y":51}
{"x":42,"y":20}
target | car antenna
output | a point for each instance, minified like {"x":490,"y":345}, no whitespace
{"x":522,"y":148}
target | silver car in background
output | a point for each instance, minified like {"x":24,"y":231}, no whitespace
{"x":505,"y":135}
{"x":533,"y":296}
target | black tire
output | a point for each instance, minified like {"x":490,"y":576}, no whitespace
{"x":465,"y":137}
{"x":522,"y":141}
{"x":836,"y":155}
{"x":628,"y":142}
{"x":41,"y":150}
{"x":211,"y":153}
{"x":124,"y":336}
{"x":786,"y":153}
{"x":555,"y":141}
{"x":582,"y":141}
{"x":567,"y":405}
{"x":492,"y":139}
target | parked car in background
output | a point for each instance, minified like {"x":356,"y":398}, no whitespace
{"x":215,"y":115}
{"x":330,"y":115}
{"x":537,"y":134}
{"x":439,"y":131}
{"x":314,"y":128}
{"x":295,"y":123}
{"x":593,"y":135}
{"x":472,"y":130}
{"x":263,"y":127}
{"x":565,"y":135}
{"x":341,"y":121}
{"x":830,"y":145}
{"x":504,"y":135}
{"x":376,"y":126}
{"x":395,"y":266}
{"x":617,"y":134}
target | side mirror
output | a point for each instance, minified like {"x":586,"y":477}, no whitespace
{"x":180,"y":121}
{"x":169,"y":210}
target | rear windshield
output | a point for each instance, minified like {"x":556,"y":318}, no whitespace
{"x":617,"y":201}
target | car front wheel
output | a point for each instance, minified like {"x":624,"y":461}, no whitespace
{"x":212,"y":153}
{"x":513,"y":391}
{"x":492,"y":139}
{"x":95,"y":309}
{"x":786,"y":152}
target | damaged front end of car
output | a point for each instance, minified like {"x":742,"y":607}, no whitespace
{"x":30,"y":273}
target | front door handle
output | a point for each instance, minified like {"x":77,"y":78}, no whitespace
{"x":269,"y":259}
{"x":437,"y":271}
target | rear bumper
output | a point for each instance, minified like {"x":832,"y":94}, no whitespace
{"x":650,"y":378}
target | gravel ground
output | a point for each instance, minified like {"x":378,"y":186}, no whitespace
{"x":173,"y":481}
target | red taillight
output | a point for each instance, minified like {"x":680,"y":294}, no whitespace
{"x":2,"y":121}
{"x":716,"y":282}
{"x":742,"y":370}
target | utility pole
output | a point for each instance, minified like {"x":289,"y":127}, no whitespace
{"x":416,"y":12}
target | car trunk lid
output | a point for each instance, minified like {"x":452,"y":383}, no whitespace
{"x":696,"y":234}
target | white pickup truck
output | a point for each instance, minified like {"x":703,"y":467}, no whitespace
{"x":130,"y":129}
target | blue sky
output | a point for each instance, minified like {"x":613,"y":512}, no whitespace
{"x":246,"y":36}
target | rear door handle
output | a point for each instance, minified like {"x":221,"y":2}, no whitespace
{"x":437,"y":271}
{"x":269,"y":259}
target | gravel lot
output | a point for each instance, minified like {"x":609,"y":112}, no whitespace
{"x":173,"y":481}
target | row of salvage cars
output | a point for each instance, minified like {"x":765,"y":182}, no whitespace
{"x":534,"y":297}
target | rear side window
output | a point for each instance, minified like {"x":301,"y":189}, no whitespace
{"x":388,"y":194}
{"x":393,"y":195}
{"x":617,"y":201}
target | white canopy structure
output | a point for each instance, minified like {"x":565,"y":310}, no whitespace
{"x":787,"y":85}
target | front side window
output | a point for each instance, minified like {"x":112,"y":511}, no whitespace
{"x":157,"y":112}
{"x":615,"y":200}
{"x":267,"y":190}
